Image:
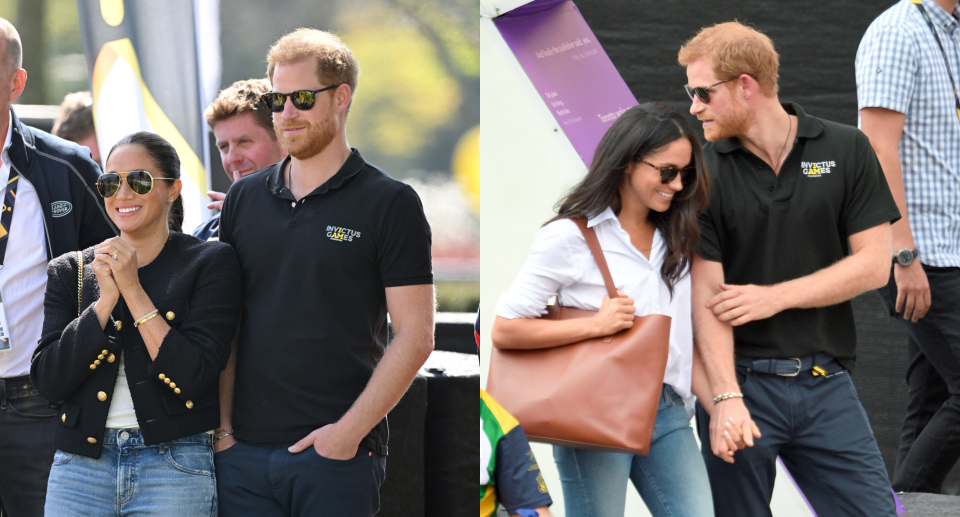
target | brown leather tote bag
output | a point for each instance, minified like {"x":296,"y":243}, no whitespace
{"x":600,"y":393}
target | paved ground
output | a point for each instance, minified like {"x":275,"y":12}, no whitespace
{"x":930,"y":505}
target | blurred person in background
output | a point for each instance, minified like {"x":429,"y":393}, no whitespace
{"x":329,"y":246}
{"x":74,"y":122}
{"x":136,"y":355}
{"x":909,"y":108}
{"x":243,"y":127}
{"x":509,"y":472}
{"x":51,"y":207}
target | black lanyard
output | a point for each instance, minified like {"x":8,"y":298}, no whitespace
{"x":7,"y":217}
{"x":926,"y":16}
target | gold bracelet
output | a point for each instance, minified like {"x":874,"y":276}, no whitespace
{"x":221,"y":437}
{"x":148,"y":317}
{"x":725,"y":396}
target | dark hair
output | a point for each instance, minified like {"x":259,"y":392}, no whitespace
{"x":639,"y":132}
{"x":168,"y":164}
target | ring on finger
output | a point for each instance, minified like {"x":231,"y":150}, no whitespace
{"x":114,"y":256}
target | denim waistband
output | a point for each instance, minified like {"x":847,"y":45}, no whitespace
{"x":134,"y":437}
{"x":668,"y":394}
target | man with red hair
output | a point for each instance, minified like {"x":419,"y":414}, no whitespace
{"x":329,"y":246}
{"x":798,"y":224}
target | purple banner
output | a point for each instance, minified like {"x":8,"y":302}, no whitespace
{"x":569,"y":69}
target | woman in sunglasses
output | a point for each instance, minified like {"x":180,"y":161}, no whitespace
{"x":642,"y":196}
{"x":133,"y":345}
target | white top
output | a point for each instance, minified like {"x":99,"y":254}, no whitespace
{"x":23,"y":278}
{"x":560,"y":264}
{"x":121,"y":414}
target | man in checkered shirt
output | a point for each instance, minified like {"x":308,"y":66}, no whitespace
{"x":907,"y":103}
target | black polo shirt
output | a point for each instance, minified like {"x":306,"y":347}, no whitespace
{"x":766,"y":229}
{"x":314,"y":308}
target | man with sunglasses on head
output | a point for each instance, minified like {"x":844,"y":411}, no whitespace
{"x":798,"y":224}
{"x":243,"y":127}
{"x":50,"y":207}
{"x":329,"y":246}
{"x":908,"y":91}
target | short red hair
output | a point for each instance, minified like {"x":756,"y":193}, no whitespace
{"x":734,"y":49}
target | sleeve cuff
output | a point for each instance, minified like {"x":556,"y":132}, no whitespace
{"x":866,"y":223}
{"x":532,"y":504}
{"x":708,"y":252}
{"x":898,"y":105}
{"x":413,"y":280}
{"x":511,"y":306}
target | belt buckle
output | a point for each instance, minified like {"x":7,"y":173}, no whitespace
{"x":794,"y":374}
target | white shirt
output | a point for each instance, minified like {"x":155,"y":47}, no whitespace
{"x":560,"y":264}
{"x":121,"y":414}
{"x":23,"y":278}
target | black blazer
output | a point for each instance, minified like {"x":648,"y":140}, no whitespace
{"x":196,"y":287}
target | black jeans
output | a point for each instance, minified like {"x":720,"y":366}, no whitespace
{"x":820,"y":431}
{"x":930,"y":440}
{"x":266,"y":480}
{"x":27,"y":425}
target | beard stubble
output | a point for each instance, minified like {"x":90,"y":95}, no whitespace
{"x":309,"y":143}
{"x":734,"y":123}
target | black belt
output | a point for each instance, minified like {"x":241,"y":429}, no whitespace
{"x":16,"y":388}
{"x":786,"y":367}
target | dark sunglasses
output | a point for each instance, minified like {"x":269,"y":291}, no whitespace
{"x":140,"y":182}
{"x":703,"y":92}
{"x":301,"y":99}
{"x":668,"y":173}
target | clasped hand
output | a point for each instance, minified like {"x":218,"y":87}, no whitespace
{"x":739,"y":304}
{"x":115,"y":264}
{"x":731,"y":428}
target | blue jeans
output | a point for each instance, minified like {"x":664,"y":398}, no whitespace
{"x":172,"y":479}
{"x":672,"y":480}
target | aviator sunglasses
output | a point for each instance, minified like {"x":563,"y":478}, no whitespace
{"x":140,"y":182}
{"x":668,"y":173}
{"x":301,"y":99}
{"x":703,"y":92}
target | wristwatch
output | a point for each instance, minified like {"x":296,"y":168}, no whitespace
{"x":905,"y":256}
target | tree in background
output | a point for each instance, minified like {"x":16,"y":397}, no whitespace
{"x":421,"y":69}
{"x":52,"y":48}
{"x":29,"y":23}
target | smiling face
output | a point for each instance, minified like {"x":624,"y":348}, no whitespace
{"x":139,"y":213}
{"x":305,"y":133}
{"x":641,"y":182}
{"x":727,"y":114}
{"x":245,"y":146}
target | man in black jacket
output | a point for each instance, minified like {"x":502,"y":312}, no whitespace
{"x":50,"y":207}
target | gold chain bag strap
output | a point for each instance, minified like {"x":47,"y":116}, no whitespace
{"x":79,"y":282}
{"x":600,"y":393}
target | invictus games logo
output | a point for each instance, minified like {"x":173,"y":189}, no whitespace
{"x":60,"y":208}
{"x":816,"y":169}
{"x":340,"y":234}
